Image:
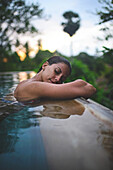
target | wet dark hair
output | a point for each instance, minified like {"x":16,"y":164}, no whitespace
{"x":58,"y":59}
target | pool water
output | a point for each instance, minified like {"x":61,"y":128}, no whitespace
{"x":53,"y":135}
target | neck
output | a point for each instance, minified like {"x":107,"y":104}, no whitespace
{"x":38,"y":76}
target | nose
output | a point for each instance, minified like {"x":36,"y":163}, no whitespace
{"x":58,"y":79}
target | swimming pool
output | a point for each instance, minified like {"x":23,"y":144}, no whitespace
{"x":53,"y":135}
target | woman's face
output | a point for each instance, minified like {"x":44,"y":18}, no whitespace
{"x":55,"y":73}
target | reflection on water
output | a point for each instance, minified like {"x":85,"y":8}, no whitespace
{"x":25,"y":76}
{"x":54,"y":109}
{"x":59,"y":109}
{"x":15,"y":114}
{"x":62,"y":134}
{"x":22,"y":76}
{"x":8,"y":83}
{"x":9,"y":80}
{"x":10,"y":128}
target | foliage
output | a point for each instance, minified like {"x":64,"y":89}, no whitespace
{"x":108,"y":56}
{"x":13,"y":62}
{"x":72,"y":24}
{"x":106,"y":16}
{"x":10,"y":61}
{"x":81,"y":71}
{"x":15,"y":19}
{"x":40,"y":58}
{"x":107,"y":13}
{"x":95,"y":64}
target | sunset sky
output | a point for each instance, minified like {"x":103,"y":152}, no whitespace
{"x":54,"y":38}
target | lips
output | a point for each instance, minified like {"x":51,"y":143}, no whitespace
{"x":50,"y":81}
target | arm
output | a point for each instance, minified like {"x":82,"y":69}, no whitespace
{"x":32,"y":90}
{"x":78,"y":88}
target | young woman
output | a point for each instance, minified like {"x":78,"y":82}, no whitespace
{"x":47,"y":83}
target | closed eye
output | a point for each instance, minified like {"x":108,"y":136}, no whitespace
{"x":57,"y":71}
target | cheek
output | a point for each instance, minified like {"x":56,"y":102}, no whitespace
{"x":46,"y":74}
{"x":50,"y":72}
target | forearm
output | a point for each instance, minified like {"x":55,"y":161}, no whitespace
{"x":77,"y":88}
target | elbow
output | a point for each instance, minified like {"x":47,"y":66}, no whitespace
{"x":92,"y":90}
{"x":89,"y":88}
{"x":89,"y":91}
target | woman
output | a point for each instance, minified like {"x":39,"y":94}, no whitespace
{"x":47,"y":83}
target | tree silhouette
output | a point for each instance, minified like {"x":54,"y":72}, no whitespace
{"x":72,"y":24}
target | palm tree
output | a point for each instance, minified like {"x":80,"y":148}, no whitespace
{"x":72,"y":24}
